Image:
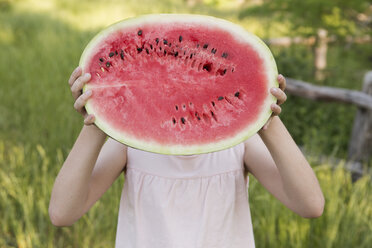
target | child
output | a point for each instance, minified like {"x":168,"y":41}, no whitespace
{"x":183,"y":201}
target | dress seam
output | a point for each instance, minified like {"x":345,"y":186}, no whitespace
{"x":194,"y":177}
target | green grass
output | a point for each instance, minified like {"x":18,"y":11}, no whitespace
{"x":27,"y":175}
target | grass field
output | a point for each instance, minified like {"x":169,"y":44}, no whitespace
{"x":27,"y":175}
{"x":40,"y":44}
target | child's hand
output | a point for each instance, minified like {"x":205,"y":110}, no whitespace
{"x":76,"y":83}
{"x":280,"y":96}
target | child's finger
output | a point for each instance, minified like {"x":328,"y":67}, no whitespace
{"x":74,"y":75}
{"x":89,"y":120}
{"x":282,"y":82}
{"x":81,"y":101}
{"x":279,"y":94}
{"x":276,"y":109}
{"x":79,"y":84}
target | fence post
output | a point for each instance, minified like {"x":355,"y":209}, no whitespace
{"x":360,"y":145}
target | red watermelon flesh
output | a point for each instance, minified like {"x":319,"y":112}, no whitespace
{"x":179,"y":84}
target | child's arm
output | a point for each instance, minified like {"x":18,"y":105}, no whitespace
{"x":275,"y":160}
{"x":90,"y":168}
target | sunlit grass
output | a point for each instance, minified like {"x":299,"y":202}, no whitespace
{"x":27,"y":174}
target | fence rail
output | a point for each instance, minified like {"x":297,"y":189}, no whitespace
{"x":360,"y":143}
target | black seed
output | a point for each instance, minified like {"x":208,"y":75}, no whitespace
{"x":170,"y":44}
{"x":205,"y":46}
{"x":174,"y":120}
{"x":165,"y":41}
{"x":184,"y":52}
{"x":108,"y":64}
{"x":157,"y":40}
{"x":213,"y":104}
{"x":220,"y":98}
{"x":183,"y":120}
{"x":190,"y":56}
{"x":232,"y":70}
{"x":180,"y":38}
{"x":197,"y":116}
{"x":147,"y":51}
{"x":207,"y":67}
{"x":101,"y":59}
{"x":165,"y":52}
{"x":184,"y":106}
{"x":139,"y":49}
{"x":224,"y":55}
{"x":224,"y":72}
{"x":197,"y":45}
{"x":150,"y":46}
{"x":175,"y":54}
{"x":111,"y":54}
{"x":237,"y":94}
{"x":139,"y":32}
{"x":214,"y":50}
{"x":122,"y":54}
{"x":116,"y":52}
{"x":176,"y":107}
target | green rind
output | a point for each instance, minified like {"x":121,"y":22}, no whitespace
{"x":238,"y":32}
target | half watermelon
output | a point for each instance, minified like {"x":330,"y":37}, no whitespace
{"x":179,"y":84}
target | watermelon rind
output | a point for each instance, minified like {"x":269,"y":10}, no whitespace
{"x":239,"y":33}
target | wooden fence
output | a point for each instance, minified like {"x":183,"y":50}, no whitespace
{"x":360,"y":144}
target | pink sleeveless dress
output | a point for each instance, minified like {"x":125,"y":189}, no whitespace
{"x":197,"y":201}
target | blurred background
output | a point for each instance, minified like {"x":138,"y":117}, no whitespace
{"x":324,"y":42}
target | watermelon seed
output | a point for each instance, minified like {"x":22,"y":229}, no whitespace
{"x":214,"y":117}
{"x":214,"y":50}
{"x":205,"y":46}
{"x":174,"y":120}
{"x":108,"y":64}
{"x":237,"y":94}
{"x":232,"y":70}
{"x":180,"y":38}
{"x":102,"y":69}
{"x":184,"y":106}
{"x":176,"y":107}
{"x":165,"y":52}
{"x":111,"y":54}
{"x":160,"y":48}
{"x":213,"y":103}
{"x":183,"y":120}
{"x":147,"y":51}
{"x":184,"y":52}
{"x":101,"y":59}
{"x":151,"y":46}
{"x":139,"y":32}
{"x":170,"y":44}
{"x":207,"y":67}
{"x":139,"y":49}
{"x":197,"y":116}
{"x":175,"y":54}
{"x":157,"y":41}
{"x":220,"y":98}
{"x":190,"y":103}
{"x":224,"y":55}
{"x":165,"y":41}
{"x":122,"y":54}
{"x":197,"y":45}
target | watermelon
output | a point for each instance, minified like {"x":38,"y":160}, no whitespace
{"x":179,"y":84}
